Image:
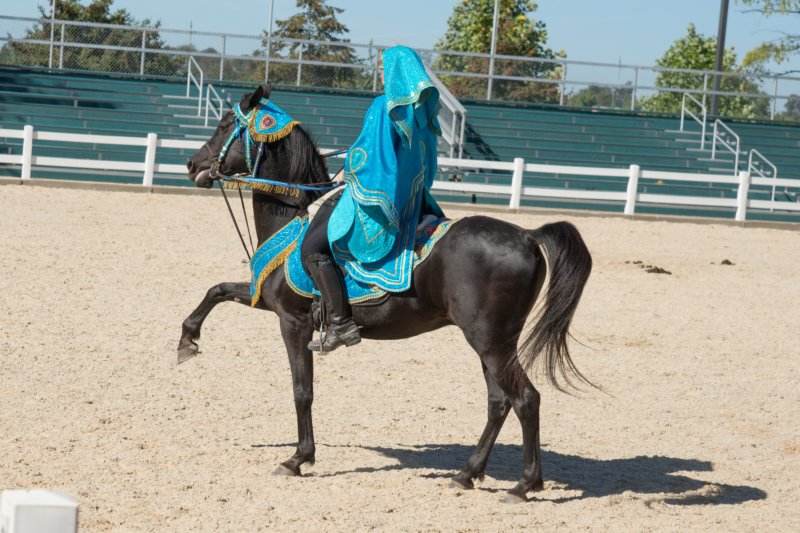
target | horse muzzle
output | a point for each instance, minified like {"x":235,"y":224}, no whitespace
{"x":204,"y":179}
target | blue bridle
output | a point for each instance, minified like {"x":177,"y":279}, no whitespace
{"x":241,"y":125}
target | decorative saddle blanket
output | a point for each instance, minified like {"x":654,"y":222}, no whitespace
{"x":283,"y":249}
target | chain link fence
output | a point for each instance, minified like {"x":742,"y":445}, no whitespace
{"x":159,"y":52}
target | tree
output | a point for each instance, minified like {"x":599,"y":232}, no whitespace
{"x":697,"y":52}
{"x":469,"y":29}
{"x":778,"y":50}
{"x":600,"y":96}
{"x":316,"y":21}
{"x":90,"y":58}
{"x":792,"y":111}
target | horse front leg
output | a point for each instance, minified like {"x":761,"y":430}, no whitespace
{"x":297,"y":330}
{"x":224,"y":292}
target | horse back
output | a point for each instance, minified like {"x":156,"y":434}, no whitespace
{"x":482,"y":267}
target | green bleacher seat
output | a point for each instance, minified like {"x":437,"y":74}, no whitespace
{"x":85,"y":103}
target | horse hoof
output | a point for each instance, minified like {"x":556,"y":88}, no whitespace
{"x":186,"y":351}
{"x":283,"y":470}
{"x":461,"y":484}
{"x":513,"y":499}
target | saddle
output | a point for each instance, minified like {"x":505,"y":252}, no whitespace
{"x":282,"y":250}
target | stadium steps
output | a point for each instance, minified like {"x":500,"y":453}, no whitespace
{"x":119,"y":106}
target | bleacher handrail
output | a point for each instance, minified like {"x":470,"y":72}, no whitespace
{"x":700,"y":120}
{"x":191,"y":79}
{"x":515,"y":190}
{"x":734,"y":148}
{"x":453,"y":130}
{"x":218,"y":110}
{"x":754,"y":168}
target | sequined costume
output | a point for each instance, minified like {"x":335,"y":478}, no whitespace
{"x":388,"y":171}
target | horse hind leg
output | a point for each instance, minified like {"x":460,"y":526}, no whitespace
{"x":498,"y":410}
{"x":504,"y":367}
{"x":223,"y":292}
{"x":525,"y":401}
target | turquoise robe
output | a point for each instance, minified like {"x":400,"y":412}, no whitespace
{"x":389,"y":171}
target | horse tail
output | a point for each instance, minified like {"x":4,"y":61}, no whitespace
{"x":569,"y":265}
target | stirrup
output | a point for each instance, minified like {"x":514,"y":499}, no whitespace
{"x":338,"y":334}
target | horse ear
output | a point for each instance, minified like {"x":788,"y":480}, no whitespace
{"x":268,"y":90}
{"x":249,"y":101}
{"x":256,"y":97}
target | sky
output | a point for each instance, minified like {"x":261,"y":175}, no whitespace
{"x":634,"y":32}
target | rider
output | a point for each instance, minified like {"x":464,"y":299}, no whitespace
{"x":388,"y":173}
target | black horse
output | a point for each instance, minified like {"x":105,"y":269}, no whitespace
{"x":483,"y":276}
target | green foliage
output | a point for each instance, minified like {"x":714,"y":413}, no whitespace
{"x":697,"y":52}
{"x":90,"y":58}
{"x":780,"y":49}
{"x":315,"y":21}
{"x":469,"y":29}
{"x":599,"y":96}
{"x":792,"y":111}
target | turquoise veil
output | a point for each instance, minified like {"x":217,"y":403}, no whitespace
{"x":410,"y":93}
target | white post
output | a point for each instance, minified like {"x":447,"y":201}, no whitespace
{"x":269,"y":42}
{"x":741,"y":195}
{"x":144,"y":47}
{"x":150,"y":160}
{"x":200,"y":94}
{"x":516,"y":183}
{"x":52,"y":32}
{"x":713,"y":141}
{"x":208,"y":99}
{"x":633,"y":186}
{"x":27,"y":151}
{"x":300,"y":66}
{"x":222,"y":60}
{"x":61,"y":50}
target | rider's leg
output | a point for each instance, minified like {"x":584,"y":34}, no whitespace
{"x":319,"y":264}
{"x":342,"y":331}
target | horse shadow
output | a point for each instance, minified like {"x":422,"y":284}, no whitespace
{"x":578,"y":478}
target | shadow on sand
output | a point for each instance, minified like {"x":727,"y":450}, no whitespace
{"x":663,"y":477}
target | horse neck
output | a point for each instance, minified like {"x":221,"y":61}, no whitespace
{"x":270,"y":215}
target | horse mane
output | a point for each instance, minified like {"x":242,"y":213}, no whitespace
{"x":296,"y":159}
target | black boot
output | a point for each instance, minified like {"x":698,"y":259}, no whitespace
{"x":342,"y":331}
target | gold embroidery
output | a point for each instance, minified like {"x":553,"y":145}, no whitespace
{"x":277,"y":261}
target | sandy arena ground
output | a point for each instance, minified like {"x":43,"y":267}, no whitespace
{"x":699,"y":429}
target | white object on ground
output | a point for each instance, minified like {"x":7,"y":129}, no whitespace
{"x":38,"y":511}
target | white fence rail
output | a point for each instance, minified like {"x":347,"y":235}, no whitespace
{"x":515,"y":190}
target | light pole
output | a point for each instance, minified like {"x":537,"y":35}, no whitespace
{"x":269,"y":40}
{"x":493,"y":49}
{"x":718,"y":65}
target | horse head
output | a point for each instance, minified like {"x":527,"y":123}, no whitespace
{"x":205,"y":165}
